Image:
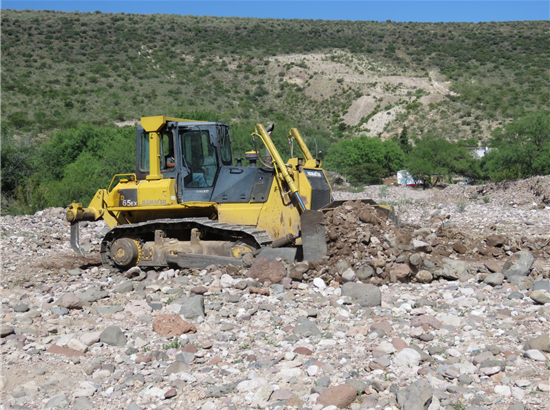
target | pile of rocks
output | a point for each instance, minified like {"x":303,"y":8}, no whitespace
{"x":413,"y":316}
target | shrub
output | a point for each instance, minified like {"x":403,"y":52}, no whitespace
{"x":521,"y":149}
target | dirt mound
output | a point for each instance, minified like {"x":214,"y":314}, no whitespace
{"x":362,"y":238}
{"x":533,"y":190}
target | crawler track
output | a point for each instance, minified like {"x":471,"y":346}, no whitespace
{"x":180,"y":229}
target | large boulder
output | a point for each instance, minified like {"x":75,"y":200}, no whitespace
{"x":416,"y":396}
{"x":264,"y":270}
{"x":192,"y":307}
{"x":519,"y":264}
{"x":365,"y":294}
{"x":113,"y":336}
{"x":340,"y":396}
{"x":452,"y":269}
{"x":541,"y":343}
{"x":171,"y":325}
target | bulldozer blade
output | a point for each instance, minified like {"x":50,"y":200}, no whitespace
{"x":273,"y":253}
{"x":314,"y":242}
{"x":75,"y":239}
{"x":190,"y":260}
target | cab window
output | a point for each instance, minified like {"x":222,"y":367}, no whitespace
{"x":144,"y":157}
{"x":225,"y":145}
{"x":200,"y":157}
{"x":167,"y":157}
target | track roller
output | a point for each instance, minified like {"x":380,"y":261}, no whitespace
{"x":126,"y":252}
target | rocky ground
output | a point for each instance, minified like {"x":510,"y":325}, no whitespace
{"x":448,"y":309}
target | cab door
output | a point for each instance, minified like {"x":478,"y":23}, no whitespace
{"x":200,"y":163}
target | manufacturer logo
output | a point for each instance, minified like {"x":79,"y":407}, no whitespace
{"x":153,"y":202}
{"x":314,"y":174}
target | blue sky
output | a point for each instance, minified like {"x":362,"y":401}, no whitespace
{"x":400,"y":10}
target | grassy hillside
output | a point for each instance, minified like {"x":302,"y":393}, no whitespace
{"x":340,"y":77}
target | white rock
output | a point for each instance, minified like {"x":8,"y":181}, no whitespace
{"x":172,"y":308}
{"x":435,"y":404}
{"x":453,"y":353}
{"x":139,"y":343}
{"x":264,"y":392}
{"x":84,"y":393}
{"x":543,"y":387}
{"x":349,"y":275}
{"x":475,"y":346}
{"x":290,"y":356}
{"x":90,"y":338}
{"x":250,"y":385}
{"x":138,"y":308}
{"x":467,"y":291}
{"x":155,"y":391}
{"x":450,"y":320}
{"x":416,"y":331}
{"x":312,"y":370}
{"x":489,"y":371}
{"x":465,"y":368}
{"x":518,"y":393}
{"x":77,"y":345}
{"x":319,"y":283}
{"x":407,"y":357}
{"x":63,"y":340}
{"x":101,"y":374}
{"x":289,"y":365}
{"x":463,"y":302}
{"x":535,"y":354}
{"x":503,"y":390}
{"x":209,"y":405}
{"x":522,"y":383}
{"x":287,"y":374}
{"x":226,"y":281}
{"x":386,"y":347}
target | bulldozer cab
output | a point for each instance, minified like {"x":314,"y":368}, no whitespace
{"x":191,"y":152}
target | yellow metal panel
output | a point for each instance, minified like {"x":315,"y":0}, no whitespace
{"x":157,"y":193}
{"x":278,"y":217}
{"x":154,"y":124}
{"x":239,"y":214}
{"x":154,"y":157}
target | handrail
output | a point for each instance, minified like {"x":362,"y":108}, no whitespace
{"x":295,"y":135}
{"x":261,"y":132}
{"x":132,"y":178}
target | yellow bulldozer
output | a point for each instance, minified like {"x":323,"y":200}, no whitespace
{"x":189,"y":204}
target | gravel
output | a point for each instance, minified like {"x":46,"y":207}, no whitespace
{"x":361,"y":330}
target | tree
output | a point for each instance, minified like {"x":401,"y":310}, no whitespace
{"x":17,"y":163}
{"x":521,"y":149}
{"x":404,"y":143}
{"x":77,"y":162}
{"x":365,"y":159}
{"x":435,"y":157}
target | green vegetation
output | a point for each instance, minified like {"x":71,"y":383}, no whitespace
{"x":365,"y":160}
{"x":434,"y":158}
{"x":73,"y":165}
{"x":67,"y":78}
{"x":176,"y":344}
{"x":522,"y":148}
{"x":60,"y":69}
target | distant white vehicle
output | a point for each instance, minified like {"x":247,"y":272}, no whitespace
{"x":405,"y":178}
{"x":480,"y":152}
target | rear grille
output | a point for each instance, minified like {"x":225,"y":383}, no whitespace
{"x":320,"y":189}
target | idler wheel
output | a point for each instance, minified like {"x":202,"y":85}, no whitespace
{"x":126,"y":252}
